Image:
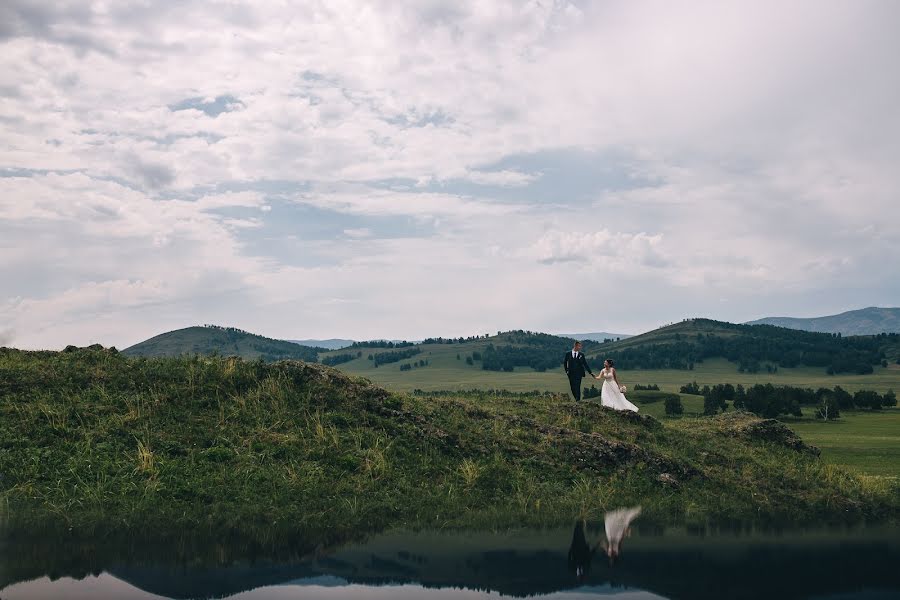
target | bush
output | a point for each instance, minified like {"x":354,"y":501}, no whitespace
{"x":691,"y":388}
{"x":673,"y":405}
{"x":712,"y":405}
{"x":646,"y":388}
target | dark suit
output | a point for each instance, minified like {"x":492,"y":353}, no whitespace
{"x":575,"y":367}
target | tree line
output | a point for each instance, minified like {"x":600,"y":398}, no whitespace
{"x":767,"y":400}
{"x":757,"y":348}
{"x":383,"y":358}
{"x":339,"y":359}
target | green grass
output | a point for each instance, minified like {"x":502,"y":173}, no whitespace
{"x":865,"y":442}
{"x":93,"y":437}
{"x":445,"y":372}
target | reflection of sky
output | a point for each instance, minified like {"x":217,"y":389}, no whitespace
{"x":107,"y":587}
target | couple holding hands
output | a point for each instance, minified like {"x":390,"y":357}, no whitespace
{"x":612,"y":393}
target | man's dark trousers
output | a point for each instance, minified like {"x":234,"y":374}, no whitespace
{"x":575,"y":384}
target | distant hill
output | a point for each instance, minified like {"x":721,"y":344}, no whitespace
{"x":598,"y":336}
{"x":752,"y":347}
{"x":224,"y":341}
{"x":330,"y":344}
{"x":865,"y":321}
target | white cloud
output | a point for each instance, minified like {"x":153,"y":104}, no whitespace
{"x":506,"y":178}
{"x":146,"y":146}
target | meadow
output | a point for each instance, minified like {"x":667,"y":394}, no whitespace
{"x":447,"y":372}
{"x":861,"y":441}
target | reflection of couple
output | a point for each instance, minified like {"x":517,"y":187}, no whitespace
{"x":618,"y":526}
{"x":611,"y":392}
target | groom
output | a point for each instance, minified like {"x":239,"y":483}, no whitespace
{"x":575,"y":365}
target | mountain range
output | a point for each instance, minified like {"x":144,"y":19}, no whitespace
{"x":865,"y":321}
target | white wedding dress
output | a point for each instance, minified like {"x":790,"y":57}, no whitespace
{"x":611,"y":396}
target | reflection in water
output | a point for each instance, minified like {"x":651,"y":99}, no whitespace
{"x":663,"y":562}
{"x":580,"y":553}
{"x":618,"y":527}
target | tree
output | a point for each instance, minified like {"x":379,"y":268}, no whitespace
{"x":843,"y":397}
{"x":867,"y":399}
{"x":469,"y":360}
{"x":740,"y":396}
{"x":829,"y":408}
{"x":691,"y":388}
{"x":711,"y":405}
{"x":889,"y":398}
{"x":673,"y":405}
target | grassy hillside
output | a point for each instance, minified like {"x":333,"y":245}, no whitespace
{"x":752,"y":348}
{"x":224,"y":341}
{"x":865,"y":321}
{"x":93,"y":436}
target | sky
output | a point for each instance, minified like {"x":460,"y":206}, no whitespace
{"x":405,"y":169}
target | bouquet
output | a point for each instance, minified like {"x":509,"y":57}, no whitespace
{"x":623,"y":389}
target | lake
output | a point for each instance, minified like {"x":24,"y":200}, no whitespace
{"x":623,"y":555}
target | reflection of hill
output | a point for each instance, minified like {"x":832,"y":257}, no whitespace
{"x":529,"y":563}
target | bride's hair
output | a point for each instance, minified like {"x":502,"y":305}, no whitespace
{"x":610,"y":361}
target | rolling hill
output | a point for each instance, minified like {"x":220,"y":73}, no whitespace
{"x":223,"y":341}
{"x":751,"y":347}
{"x":865,"y":321}
{"x":330,"y":344}
{"x":721,"y":352}
{"x":697,"y":349}
{"x":597,"y":336}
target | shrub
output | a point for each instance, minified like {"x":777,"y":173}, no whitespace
{"x":673,"y":405}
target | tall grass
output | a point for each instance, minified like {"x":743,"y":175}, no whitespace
{"x":92,"y":437}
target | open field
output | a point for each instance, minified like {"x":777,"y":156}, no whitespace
{"x":446,"y":372}
{"x":861,"y":441}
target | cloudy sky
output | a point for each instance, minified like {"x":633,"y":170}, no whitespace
{"x":413,"y":168}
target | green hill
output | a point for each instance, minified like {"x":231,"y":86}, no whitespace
{"x":865,"y":321}
{"x":207,"y":340}
{"x":721,"y":352}
{"x":93,"y":438}
{"x":751,"y":347}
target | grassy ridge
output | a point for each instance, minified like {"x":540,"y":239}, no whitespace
{"x":222,"y":341}
{"x":92,"y":436}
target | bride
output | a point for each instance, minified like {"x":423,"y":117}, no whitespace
{"x":611,"y":392}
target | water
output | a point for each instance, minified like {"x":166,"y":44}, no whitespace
{"x":624,"y":556}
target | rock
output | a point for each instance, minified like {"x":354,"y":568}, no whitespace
{"x":668,"y":479}
{"x":767,"y":430}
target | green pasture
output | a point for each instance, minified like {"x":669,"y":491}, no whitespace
{"x":446,"y":372}
{"x":862,"y":441}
